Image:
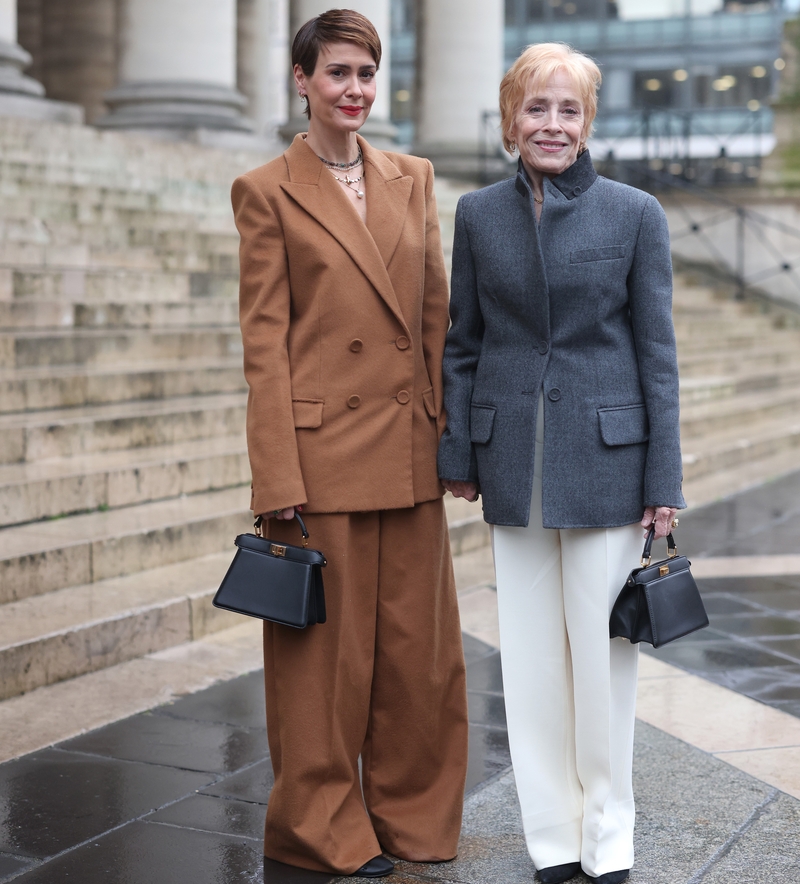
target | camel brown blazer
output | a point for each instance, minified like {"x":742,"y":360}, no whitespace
{"x":343,"y":327}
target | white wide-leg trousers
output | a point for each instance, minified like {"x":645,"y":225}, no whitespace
{"x":570,"y":691}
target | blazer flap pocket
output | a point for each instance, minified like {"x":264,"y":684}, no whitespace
{"x":481,"y":422}
{"x":606,"y":253}
{"x":624,"y":425}
{"x":307,"y":413}
{"x":430,"y":403}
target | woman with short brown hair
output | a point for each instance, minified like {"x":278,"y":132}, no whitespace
{"x":343,"y":307}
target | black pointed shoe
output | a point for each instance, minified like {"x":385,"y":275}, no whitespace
{"x":611,"y":877}
{"x":377,"y":867}
{"x":557,"y":874}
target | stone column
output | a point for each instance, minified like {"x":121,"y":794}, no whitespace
{"x":460,"y":68}
{"x":177,"y":68}
{"x":263,"y":68}
{"x":378,"y":130}
{"x":79,"y":51}
{"x":22,"y":96}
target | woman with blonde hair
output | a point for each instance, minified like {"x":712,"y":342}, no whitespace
{"x":343,"y":308}
{"x":561,"y":393}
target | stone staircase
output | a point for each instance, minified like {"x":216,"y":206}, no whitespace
{"x":740,"y":391}
{"x":123,"y":465}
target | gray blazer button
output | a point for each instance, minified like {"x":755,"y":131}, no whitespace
{"x":543,"y":347}
{"x":554,"y":395}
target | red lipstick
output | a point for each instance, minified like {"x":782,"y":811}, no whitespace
{"x":352,"y":110}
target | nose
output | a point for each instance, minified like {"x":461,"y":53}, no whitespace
{"x":553,"y":122}
{"x":354,"y":86}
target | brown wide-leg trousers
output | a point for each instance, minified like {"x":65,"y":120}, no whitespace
{"x":383,"y":678}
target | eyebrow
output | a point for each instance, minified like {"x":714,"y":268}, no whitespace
{"x":348,"y":67}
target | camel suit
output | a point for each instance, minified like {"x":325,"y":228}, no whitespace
{"x":343,"y":327}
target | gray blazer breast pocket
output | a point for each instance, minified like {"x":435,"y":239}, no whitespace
{"x":606,"y":253}
{"x":481,"y":423}
{"x":624,"y":425}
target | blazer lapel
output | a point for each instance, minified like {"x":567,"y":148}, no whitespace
{"x":316,"y":191}
{"x":388,"y":193}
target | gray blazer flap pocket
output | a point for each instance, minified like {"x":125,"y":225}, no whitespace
{"x":481,"y":422}
{"x":606,"y":253}
{"x":624,"y":425}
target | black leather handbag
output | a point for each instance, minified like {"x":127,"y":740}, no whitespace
{"x":659,"y":602}
{"x":275,"y":581}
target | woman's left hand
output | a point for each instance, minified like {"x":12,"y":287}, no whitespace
{"x":662,"y":516}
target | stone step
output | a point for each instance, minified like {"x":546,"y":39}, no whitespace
{"x":68,"y":432}
{"x":743,"y":361}
{"x":63,"y":486}
{"x":768,"y":437}
{"x":152,"y":283}
{"x":95,"y":347}
{"x":67,"y":633}
{"x":38,"y":388}
{"x":21,"y":257}
{"x":704,"y":387}
{"x":122,"y":229}
{"x":722,"y":483}
{"x":197,"y":311}
{"x":41,"y":557}
{"x":48,"y":638}
{"x":701,"y":418}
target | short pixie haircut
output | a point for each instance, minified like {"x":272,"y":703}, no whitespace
{"x":540,"y":62}
{"x":334,"y":26}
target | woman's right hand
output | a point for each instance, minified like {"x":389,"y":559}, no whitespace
{"x":467,"y":490}
{"x":288,"y":513}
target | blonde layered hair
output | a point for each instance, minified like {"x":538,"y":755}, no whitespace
{"x":535,"y":66}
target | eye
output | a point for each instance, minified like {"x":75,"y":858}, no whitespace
{"x":367,"y":75}
{"x":535,"y":109}
{"x":571,"y":111}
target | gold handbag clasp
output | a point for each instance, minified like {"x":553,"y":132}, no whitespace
{"x":277,"y":550}
{"x":663,"y":571}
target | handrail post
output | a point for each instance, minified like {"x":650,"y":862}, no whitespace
{"x":740,"y":234}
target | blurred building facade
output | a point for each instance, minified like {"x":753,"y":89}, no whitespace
{"x":698,"y":73}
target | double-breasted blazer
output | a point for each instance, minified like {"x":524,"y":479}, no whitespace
{"x":578,"y":307}
{"x":343,"y":327}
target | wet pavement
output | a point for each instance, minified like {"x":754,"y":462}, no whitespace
{"x":753,"y":642}
{"x":178,"y":794}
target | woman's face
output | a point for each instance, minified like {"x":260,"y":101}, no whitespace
{"x":549,"y":126}
{"x":341,"y":90}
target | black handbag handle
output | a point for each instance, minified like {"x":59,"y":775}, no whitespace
{"x":672,"y":549}
{"x":259,"y":522}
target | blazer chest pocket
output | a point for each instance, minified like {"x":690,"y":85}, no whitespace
{"x":307,"y":413}
{"x":624,"y":425}
{"x":481,"y":423}
{"x":606,"y":253}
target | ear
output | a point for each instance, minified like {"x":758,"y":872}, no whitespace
{"x":300,"y":79}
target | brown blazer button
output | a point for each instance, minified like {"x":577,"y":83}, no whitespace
{"x":402,"y":343}
{"x":356,"y":345}
{"x":403,"y":397}
{"x":354,"y":401}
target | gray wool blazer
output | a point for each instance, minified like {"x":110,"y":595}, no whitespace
{"x":578,"y":306}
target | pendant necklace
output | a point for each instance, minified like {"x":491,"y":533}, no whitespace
{"x":349,"y":182}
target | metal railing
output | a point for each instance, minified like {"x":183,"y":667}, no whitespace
{"x":755,"y":251}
